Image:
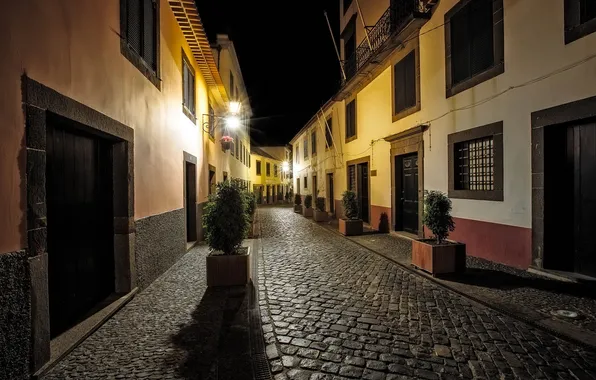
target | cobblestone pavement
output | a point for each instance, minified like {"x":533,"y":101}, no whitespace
{"x":174,"y":329}
{"x":332,"y":310}
{"x":518,"y":291}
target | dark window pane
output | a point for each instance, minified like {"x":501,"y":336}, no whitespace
{"x":410,"y":79}
{"x":328,"y":132}
{"x":149,"y":33}
{"x":587,"y":10}
{"x":313,"y":140}
{"x":134,"y":24}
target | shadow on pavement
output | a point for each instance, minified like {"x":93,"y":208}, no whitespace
{"x":217,"y":341}
{"x":496,"y":279}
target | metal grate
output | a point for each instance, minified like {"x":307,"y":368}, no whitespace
{"x":475,"y":165}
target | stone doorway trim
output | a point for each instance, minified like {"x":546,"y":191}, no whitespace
{"x":555,"y":116}
{"x":39,"y":104}
{"x":403,"y":143}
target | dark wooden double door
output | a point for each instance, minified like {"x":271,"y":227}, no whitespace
{"x":79,"y":196}
{"x":406,"y":193}
{"x":570,"y":198}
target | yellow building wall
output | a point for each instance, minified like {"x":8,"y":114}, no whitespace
{"x":87,"y":65}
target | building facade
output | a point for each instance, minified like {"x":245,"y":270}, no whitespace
{"x":270,"y":182}
{"x":479,"y":99}
{"x":105,"y":155}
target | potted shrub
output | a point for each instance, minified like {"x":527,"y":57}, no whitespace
{"x":351,"y":224}
{"x":298,"y":204}
{"x":250,"y":206}
{"x":320,"y":213}
{"x":225,"y":222}
{"x":307,"y":210}
{"x":438,"y":255}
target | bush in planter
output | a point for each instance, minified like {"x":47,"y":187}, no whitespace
{"x":320,"y":204}
{"x":350,"y":204}
{"x":225,"y":220}
{"x":250,"y":203}
{"x":437,"y":215}
{"x":308,"y":201}
{"x":297,"y":199}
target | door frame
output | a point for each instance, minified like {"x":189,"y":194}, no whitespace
{"x":558,"y":116}
{"x":357,"y":161}
{"x":41,"y":103}
{"x":402,"y":144}
{"x":190,"y":159}
{"x":399,"y":188}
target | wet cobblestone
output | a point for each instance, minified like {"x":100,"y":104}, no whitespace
{"x":378,"y":321}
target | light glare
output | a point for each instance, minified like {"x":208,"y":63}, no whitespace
{"x":233,"y":122}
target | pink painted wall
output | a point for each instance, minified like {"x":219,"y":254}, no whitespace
{"x":73,"y":47}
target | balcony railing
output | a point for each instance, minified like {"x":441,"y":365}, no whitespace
{"x":391,"y":23}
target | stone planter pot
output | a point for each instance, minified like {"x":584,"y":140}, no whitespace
{"x":298,"y":209}
{"x":321,"y":216}
{"x":307,"y":212}
{"x":228,"y":270}
{"x":449,"y":257}
{"x":350,"y":227}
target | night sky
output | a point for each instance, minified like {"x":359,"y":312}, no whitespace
{"x":286,"y":56}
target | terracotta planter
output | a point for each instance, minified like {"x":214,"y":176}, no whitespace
{"x":350,"y":227}
{"x":321,"y":216}
{"x":439,"y":259}
{"x":228,"y":270}
{"x":298,"y":209}
{"x":307,"y":212}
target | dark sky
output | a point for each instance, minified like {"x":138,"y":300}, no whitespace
{"x":286,"y":55}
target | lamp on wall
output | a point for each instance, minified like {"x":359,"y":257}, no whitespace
{"x":231,"y":121}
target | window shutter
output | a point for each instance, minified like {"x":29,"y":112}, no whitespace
{"x":149,"y":35}
{"x":134,"y":24}
{"x":410,"y":80}
{"x":460,"y":49}
{"x":481,"y":36}
{"x":400,"y":86}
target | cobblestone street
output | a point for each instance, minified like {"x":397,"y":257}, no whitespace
{"x":332,"y":309}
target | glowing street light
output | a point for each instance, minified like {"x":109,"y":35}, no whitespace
{"x":285,"y":166}
{"x":233,"y":122}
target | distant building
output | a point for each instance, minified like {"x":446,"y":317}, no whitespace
{"x":269,"y":180}
{"x":497,"y":113}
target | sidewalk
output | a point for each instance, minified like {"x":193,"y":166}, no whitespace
{"x":177,"y":328}
{"x":524,"y":295}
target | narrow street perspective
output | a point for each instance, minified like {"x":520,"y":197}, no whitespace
{"x":274,"y":190}
{"x":333,"y":310}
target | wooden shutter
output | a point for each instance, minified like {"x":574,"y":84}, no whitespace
{"x":149,"y":33}
{"x":134,"y":24}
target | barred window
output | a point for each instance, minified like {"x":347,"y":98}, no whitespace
{"x":475,"y":165}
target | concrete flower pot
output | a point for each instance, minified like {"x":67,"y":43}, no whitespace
{"x":298,"y":209}
{"x":229,"y":270}
{"x":307,"y":212}
{"x":320,"y":216}
{"x":449,"y":257}
{"x":350,"y":227}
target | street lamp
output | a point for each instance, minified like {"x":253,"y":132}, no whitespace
{"x":231,"y":121}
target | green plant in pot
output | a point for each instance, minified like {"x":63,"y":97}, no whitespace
{"x":298,"y":203}
{"x":307,"y":211}
{"x":350,"y":224}
{"x":438,"y":255}
{"x":225,"y":224}
{"x":320,"y":214}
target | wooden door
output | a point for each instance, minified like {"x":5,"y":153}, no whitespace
{"x":191,"y":201}
{"x":362,"y":191}
{"x":583,"y":140}
{"x":409,"y":194}
{"x":330,"y":193}
{"x":80,"y":224}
